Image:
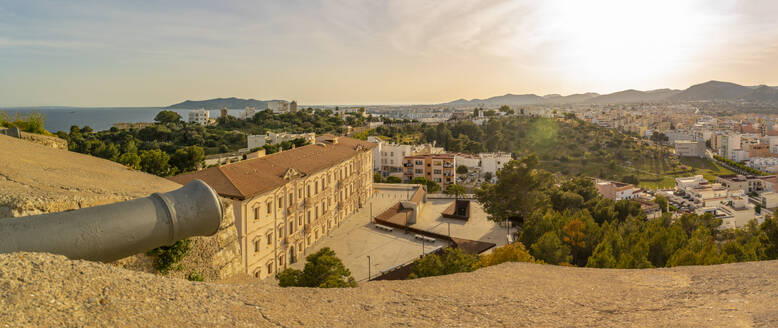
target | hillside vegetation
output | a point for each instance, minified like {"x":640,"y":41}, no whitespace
{"x":566,"y":146}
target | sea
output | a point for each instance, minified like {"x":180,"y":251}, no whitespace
{"x":102,"y":118}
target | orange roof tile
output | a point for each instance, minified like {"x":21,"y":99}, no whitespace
{"x":251,"y":177}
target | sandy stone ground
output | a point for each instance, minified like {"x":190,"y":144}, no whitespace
{"x":41,"y":290}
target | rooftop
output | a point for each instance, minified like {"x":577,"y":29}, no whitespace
{"x":251,"y":177}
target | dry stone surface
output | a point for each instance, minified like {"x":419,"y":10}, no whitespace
{"x":36,"y":179}
{"x":44,"y":290}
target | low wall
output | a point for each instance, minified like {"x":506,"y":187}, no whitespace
{"x":48,"y":141}
{"x":214,"y":257}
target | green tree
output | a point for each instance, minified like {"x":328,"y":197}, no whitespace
{"x":769,"y":238}
{"x":188,"y":158}
{"x":131,"y":160}
{"x":701,"y":249}
{"x":514,"y":252}
{"x":451,"y":260}
{"x":550,"y":249}
{"x":322,"y":269}
{"x":167,"y":116}
{"x":377,"y":178}
{"x":520,"y":190}
{"x":662,"y":202}
{"x":155,"y":161}
{"x":461,"y":169}
{"x":432,"y":186}
{"x":455,"y":189}
{"x":393,"y":179}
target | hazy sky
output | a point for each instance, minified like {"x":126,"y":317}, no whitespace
{"x":148,"y":53}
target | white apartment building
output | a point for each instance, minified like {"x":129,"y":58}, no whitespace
{"x":690,"y":148}
{"x":388,"y":157}
{"x":766,"y":164}
{"x":199,"y":116}
{"x":728,"y":143}
{"x":269,"y":138}
{"x":279,"y":106}
{"x":483,"y":163}
{"x":248,"y":113}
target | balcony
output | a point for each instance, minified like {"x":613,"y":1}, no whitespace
{"x":408,"y":164}
{"x":448,"y":165}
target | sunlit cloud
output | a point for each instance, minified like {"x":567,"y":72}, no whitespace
{"x":404,"y":51}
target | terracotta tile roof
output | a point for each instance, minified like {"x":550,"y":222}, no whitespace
{"x":250,"y":177}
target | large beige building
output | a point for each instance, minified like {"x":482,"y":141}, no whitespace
{"x":287,"y":201}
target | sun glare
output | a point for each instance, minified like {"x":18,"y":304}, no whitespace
{"x":617,"y":43}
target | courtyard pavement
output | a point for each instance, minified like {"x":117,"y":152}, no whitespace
{"x":357,"y":238}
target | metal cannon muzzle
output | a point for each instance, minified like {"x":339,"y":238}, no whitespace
{"x":110,"y":232}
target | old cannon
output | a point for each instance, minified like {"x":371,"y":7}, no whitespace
{"x":110,"y":232}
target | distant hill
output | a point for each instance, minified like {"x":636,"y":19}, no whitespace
{"x":713,"y":90}
{"x":708,"y":91}
{"x":508,"y":99}
{"x":635,"y":96}
{"x":763,"y":94}
{"x":219,"y":103}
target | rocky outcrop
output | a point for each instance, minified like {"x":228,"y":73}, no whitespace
{"x":47,"y":290}
{"x":36,"y":179}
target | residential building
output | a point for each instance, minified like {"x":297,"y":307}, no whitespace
{"x":440,"y":168}
{"x":759,"y":150}
{"x":269,"y":138}
{"x":389,"y":157}
{"x":248,"y":113}
{"x":728,"y":143}
{"x":483,"y":163}
{"x":769,"y":200}
{"x":285,"y":202}
{"x":293,"y":106}
{"x":690,"y":148}
{"x":199,"y":116}
{"x":279,"y":106}
{"x":616,"y":190}
{"x":764,"y":164}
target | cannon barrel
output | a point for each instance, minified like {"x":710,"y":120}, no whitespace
{"x":110,"y":232}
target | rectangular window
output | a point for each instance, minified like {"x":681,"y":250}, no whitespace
{"x":308,"y":216}
{"x":291,"y":197}
{"x":256,"y":213}
{"x":280,"y":202}
{"x":256,"y":246}
{"x":270,"y":238}
{"x":437,"y":171}
{"x":309,"y":190}
{"x":316,"y":189}
{"x":291,"y":227}
{"x":269,"y":268}
{"x":419,"y":171}
{"x":269,"y":207}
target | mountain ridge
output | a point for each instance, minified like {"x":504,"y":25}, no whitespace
{"x":707,"y":91}
{"x":218,"y":103}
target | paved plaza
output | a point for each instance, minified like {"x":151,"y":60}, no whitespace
{"x":357,"y":238}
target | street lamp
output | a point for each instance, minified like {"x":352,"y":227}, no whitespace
{"x":368,"y":268}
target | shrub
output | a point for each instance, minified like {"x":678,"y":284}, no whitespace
{"x":168,"y":256}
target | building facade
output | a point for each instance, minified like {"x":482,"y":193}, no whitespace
{"x":199,"y":116}
{"x":690,"y":148}
{"x":285,"y":202}
{"x":440,"y":168}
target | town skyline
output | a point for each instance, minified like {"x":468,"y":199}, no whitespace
{"x":328,"y":53}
